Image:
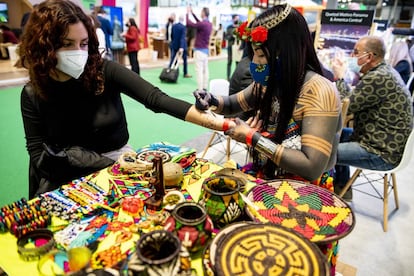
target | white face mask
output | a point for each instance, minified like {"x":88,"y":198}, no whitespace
{"x":72,"y":62}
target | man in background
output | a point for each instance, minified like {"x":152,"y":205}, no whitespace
{"x":240,"y":79}
{"x":202,"y":40}
{"x":106,"y":27}
{"x":230,"y":41}
{"x":179,"y":43}
{"x":168,"y":27}
{"x":383,"y":115}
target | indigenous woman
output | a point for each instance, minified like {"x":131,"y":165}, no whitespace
{"x":296,"y":129}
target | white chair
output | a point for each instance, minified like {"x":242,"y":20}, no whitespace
{"x":218,"y":87}
{"x":390,"y":183}
{"x":212,"y":46}
{"x":410,"y":80}
{"x":408,"y":85}
{"x":344,"y":111}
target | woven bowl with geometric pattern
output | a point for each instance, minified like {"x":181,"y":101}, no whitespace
{"x":266,"y":249}
{"x":311,"y":211}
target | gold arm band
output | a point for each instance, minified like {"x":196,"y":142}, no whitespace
{"x":269,"y":149}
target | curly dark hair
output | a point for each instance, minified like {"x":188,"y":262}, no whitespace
{"x":290,"y":53}
{"x":44,"y":34}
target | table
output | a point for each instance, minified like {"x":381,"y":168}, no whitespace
{"x":13,"y":265}
{"x":161,"y":46}
{"x":117,"y":184}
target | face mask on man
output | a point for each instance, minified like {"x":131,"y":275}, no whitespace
{"x":353,"y":64}
{"x":260,"y":73}
{"x":72,"y":62}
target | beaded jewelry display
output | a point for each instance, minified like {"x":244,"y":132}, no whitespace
{"x":22,"y":216}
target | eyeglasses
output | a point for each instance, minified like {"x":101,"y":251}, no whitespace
{"x":357,"y":52}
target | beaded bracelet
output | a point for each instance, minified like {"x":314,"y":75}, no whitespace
{"x":43,"y":241}
{"x":21,"y":217}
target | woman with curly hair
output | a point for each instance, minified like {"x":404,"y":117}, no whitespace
{"x":73,"y":116}
{"x":295,"y":131}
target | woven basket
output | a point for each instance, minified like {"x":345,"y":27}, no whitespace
{"x":265,"y":249}
{"x":129,"y":163}
{"x":314,"y":212}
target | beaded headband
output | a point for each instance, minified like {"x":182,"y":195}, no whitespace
{"x":271,"y":21}
{"x":258,"y":35}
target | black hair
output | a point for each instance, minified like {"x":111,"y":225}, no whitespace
{"x":206,"y":11}
{"x":4,"y":27}
{"x":44,"y":34}
{"x":290,"y":53}
{"x":132,"y":22}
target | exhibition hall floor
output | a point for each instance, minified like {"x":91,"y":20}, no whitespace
{"x":367,"y":248}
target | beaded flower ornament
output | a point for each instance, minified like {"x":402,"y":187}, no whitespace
{"x":258,"y":34}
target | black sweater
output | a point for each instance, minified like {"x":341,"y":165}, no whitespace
{"x":94,"y":124}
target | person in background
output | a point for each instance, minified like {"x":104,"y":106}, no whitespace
{"x":168,"y":31}
{"x":179,"y":44}
{"x":8,"y":39}
{"x":106,"y":27}
{"x":168,"y":27}
{"x":132,"y":39}
{"x":73,"y":116}
{"x":229,"y":35}
{"x":25,"y":18}
{"x":239,"y":80}
{"x":219,"y":38}
{"x":201,"y":51}
{"x":382,"y":110}
{"x":8,"y":35}
{"x":295,"y":131}
{"x":400,"y":59}
{"x":99,"y":34}
{"x":190,"y":36}
{"x":237,"y":51}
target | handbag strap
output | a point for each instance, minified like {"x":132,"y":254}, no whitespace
{"x":174,"y":64}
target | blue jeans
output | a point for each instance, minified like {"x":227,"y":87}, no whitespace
{"x":352,"y":154}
